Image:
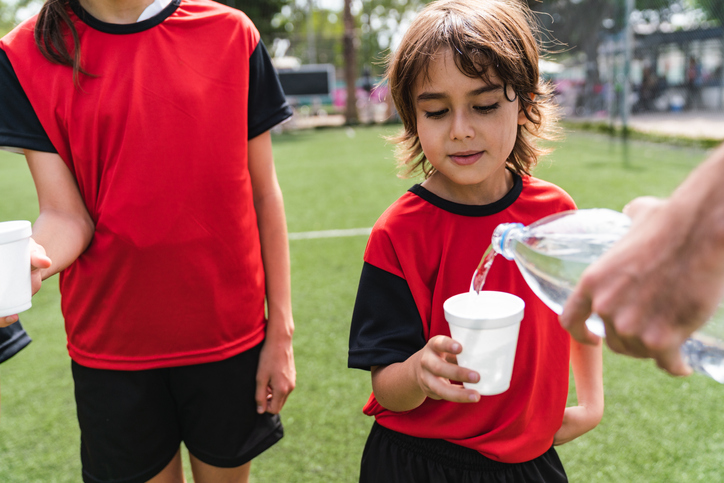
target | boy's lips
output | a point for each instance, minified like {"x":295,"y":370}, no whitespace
{"x":466,"y":157}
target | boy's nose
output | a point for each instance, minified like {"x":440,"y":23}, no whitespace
{"x":461,"y":127}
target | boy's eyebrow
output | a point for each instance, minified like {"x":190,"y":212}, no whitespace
{"x":425,"y":96}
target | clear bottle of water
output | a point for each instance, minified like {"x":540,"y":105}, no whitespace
{"x":553,"y":252}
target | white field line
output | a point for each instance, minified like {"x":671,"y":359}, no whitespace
{"x":306,"y":235}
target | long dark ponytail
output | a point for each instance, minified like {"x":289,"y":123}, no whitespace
{"x":50,"y":36}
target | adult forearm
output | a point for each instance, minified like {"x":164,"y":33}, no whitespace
{"x":689,"y":231}
{"x":705,"y":180}
{"x":698,"y":204}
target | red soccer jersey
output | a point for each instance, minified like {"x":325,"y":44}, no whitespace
{"x":157,"y":141}
{"x":433,"y":246}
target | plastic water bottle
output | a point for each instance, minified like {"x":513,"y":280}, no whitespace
{"x":553,"y":252}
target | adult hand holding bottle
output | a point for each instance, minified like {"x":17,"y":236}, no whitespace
{"x":664,"y":278}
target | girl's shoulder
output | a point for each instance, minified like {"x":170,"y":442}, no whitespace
{"x":209,"y":8}
{"x":215,"y":22}
{"x":22,"y":36}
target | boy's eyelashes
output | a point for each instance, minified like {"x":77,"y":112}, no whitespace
{"x":489,"y":108}
{"x":435,"y":114}
{"x":442,"y":112}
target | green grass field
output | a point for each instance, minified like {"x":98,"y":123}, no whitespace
{"x":655,"y":428}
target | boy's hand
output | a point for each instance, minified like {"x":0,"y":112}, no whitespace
{"x":577,"y":420}
{"x":38,"y":261}
{"x":438,"y":366}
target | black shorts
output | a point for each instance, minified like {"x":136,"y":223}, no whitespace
{"x":133,"y":422}
{"x":394,"y":457}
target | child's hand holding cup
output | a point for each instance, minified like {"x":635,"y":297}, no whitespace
{"x":486,"y":324}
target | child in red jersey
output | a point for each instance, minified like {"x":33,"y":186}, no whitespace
{"x":465,"y":81}
{"x":146,"y":126}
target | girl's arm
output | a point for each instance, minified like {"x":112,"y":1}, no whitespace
{"x":64,"y":228}
{"x":427,"y":373}
{"x":276,"y":374}
{"x":587,"y":363}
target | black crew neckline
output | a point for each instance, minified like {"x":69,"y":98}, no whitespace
{"x":472,"y":210}
{"x":127,"y":28}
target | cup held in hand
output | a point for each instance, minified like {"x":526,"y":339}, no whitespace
{"x":487,"y":325}
{"x":15,"y":285}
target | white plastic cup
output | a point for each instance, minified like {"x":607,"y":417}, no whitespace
{"x":486,"y":324}
{"x":15,"y":287}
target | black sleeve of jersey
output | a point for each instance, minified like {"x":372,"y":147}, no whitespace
{"x":13,"y":338}
{"x":19,"y":125}
{"x":267,"y":104}
{"x":386,"y":326}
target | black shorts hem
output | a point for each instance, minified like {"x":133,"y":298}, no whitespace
{"x":270,"y":431}
{"x":139,"y":478}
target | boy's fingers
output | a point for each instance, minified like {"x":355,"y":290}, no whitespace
{"x":440,"y":343}
{"x":440,"y":368}
{"x":453,"y":392}
{"x":451,"y":358}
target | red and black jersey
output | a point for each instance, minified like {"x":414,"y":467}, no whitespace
{"x":156,"y":137}
{"x":425,"y":249}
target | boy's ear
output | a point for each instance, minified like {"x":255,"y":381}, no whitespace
{"x":522,"y":119}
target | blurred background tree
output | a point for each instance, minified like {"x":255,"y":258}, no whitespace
{"x":11,"y":13}
{"x":714,"y":9}
{"x":261,"y":12}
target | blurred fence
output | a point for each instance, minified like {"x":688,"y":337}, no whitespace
{"x":657,"y":61}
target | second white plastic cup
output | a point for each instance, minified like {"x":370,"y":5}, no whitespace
{"x":15,"y":286}
{"x":487,"y":325}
